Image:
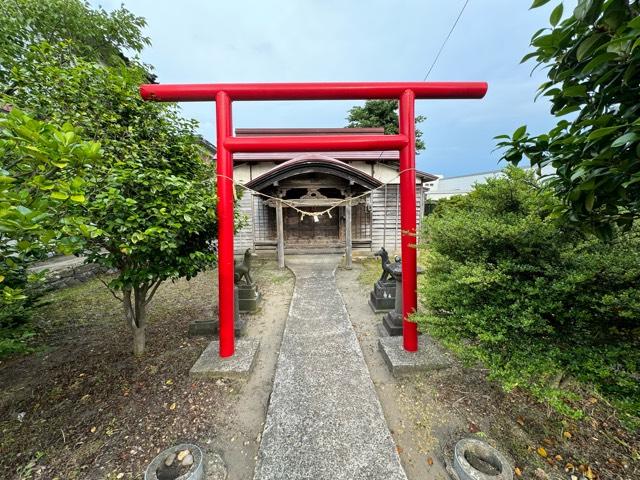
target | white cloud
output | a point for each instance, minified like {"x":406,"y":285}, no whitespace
{"x":337,"y":40}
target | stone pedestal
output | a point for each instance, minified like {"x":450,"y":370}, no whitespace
{"x":210,"y":365}
{"x":248,"y":297}
{"x":428,"y":357}
{"x":383,"y":296}
{"x":392,"y":321}
{"x":208,"y":328}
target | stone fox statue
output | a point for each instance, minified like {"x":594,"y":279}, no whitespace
{"x":242,"y":269}
{"x":384,"y":259}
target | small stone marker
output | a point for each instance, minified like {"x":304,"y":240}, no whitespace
{"x":383,"y":296}
{"x":248,"y":298}
{"x":474,"y":459}
{"x":185,"y":461}
{"x":392,"y":321}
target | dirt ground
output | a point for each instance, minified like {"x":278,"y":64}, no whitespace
{"x":82,"y":407}
{"x":429,"y":412}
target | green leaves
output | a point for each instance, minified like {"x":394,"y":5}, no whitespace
{"x":539,"y":3}
{"x":556,"y":14}
{"x":142,"y":201}
{"x":586,"y":46}
{"x":507,"y":286}
{"x":381,"y":113}
{"x":41,"y":168}
{"x":623,"y":140}
{"x":635,"y":23}
{"x":519,"y":133}
{"x":589,"y":200}
{"x":94,"y":35}
{"x":602,"y":132}
{"x":593,"y":60}
{"x":574,"y":91}
{"x":583,"y":9}
{"x":59,"y":195}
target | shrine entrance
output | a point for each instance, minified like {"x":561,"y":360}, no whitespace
{"x":300,"y":233}
{"x":324,"y":205}
{"x":405,"y":93}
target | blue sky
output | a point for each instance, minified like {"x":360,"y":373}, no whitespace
{"x":357,"y":40}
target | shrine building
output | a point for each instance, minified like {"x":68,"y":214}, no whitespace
{"x":312,"y":182}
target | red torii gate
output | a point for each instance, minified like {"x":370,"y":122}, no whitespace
{"x":224,"y":93}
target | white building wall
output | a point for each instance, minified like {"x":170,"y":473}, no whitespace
{"x":385,"y":231}
{"x":244,"y":238}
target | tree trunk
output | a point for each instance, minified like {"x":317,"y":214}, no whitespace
{"x":135,"y":313}
{"x":138,"y":341}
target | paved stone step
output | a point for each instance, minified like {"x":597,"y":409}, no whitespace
{"x":324,"y":419}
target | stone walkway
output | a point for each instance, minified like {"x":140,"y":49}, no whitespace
{"x":324,"y":419}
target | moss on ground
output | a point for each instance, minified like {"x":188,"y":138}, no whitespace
{"x":370,"y":272}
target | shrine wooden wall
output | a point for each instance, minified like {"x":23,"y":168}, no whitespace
{"x":383,"y":228}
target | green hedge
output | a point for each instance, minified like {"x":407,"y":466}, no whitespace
{"x":539,"y":305}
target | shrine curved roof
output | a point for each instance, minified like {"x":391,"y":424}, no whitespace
{"x":313,"y":163}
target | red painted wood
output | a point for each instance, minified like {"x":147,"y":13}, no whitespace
{"x":315,"y":143}
{"x":288,"y":132}
{"x":224,"y":168}
{"x":407,"y":127}
{"x":224,"y":93}
{"x":311,"y":91}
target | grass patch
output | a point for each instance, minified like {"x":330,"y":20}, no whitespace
{"x":370,"y":272}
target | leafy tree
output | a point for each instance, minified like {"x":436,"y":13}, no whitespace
{"x":45,"y":165}
{"x":92,"y":34}
{"x":150,"y":204}
{"x":593,"y":69}
{"x":537,"y":303}
{"x":42,"y":174}
{"x":155,"y":224}
{"x":382,"y":113}
{"x":153,"y":200}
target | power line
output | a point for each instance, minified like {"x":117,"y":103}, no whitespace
{"x":446,"y":40}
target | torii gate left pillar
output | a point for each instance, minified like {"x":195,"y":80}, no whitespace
{"x":404,"y":142}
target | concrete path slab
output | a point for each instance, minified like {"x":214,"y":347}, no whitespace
{"x":324,"y":419}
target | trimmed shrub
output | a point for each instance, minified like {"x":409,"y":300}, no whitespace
{"x":538,"y":304}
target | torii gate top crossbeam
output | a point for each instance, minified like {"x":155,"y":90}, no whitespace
{"x":198,"y":92}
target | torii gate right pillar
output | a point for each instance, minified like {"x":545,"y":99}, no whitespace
{"x":407,"y":127}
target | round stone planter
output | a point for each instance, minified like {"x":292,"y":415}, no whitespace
{"x":157,"y":470}
{"x":476,"y":460}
